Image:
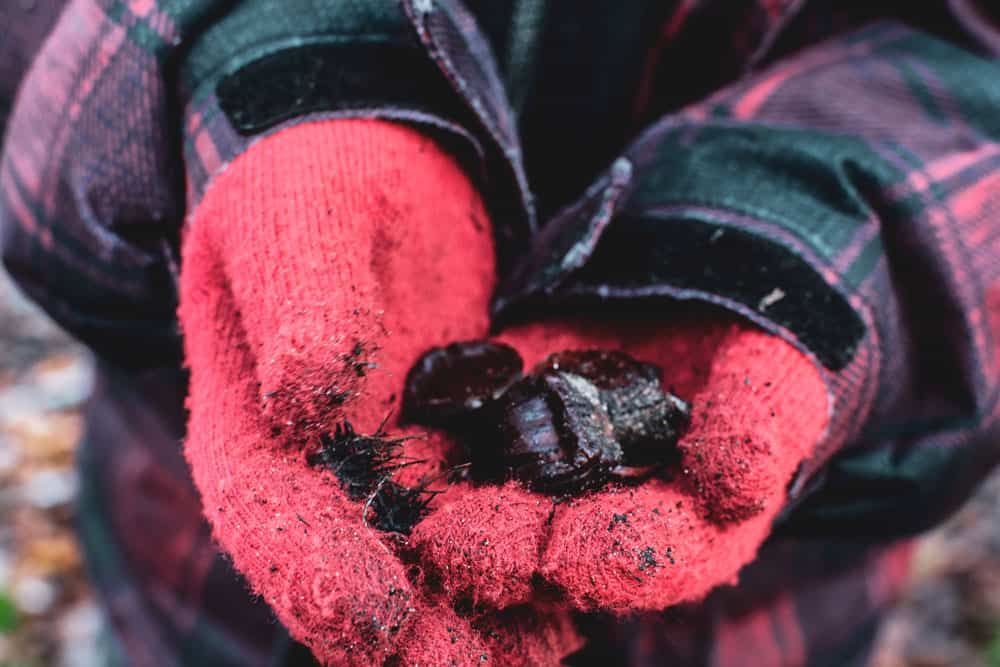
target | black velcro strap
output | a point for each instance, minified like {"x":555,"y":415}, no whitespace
{"x":331,"y":77}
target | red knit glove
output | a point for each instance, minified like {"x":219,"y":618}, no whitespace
{"x":316,"y":270}
{"x":759,"y":407}
{"x":310,"y":281}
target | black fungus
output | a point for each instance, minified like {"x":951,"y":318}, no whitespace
{"x":360,"y":462}
{"x":396,"y":508}
{"x":364,"y":464}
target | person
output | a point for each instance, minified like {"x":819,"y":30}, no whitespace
{"x":259,"y":214}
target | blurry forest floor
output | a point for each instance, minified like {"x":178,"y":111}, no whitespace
{"x":950,"y":616}
{"x":47,"y":613}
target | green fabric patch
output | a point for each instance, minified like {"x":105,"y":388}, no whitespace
{"x":809,"y":183}
{"x":972,"y":83}
{"x":918,"y":88}
{"x":884,"y":493}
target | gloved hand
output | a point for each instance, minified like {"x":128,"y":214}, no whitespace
{"x":307,"y":289}
{"x":759,"y":408}
{"x":317,"y":268}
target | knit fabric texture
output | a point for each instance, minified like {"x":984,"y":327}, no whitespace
{"x":319,"y":265}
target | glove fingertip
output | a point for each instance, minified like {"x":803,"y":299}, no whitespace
{"x":438,"y":636}
{"x":491,"y":530}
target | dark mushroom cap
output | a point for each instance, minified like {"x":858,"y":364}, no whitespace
{"x":454,"y":381}
{"x":555,"y":435}
{"x":581,"y":418}
{"x":647,"y":421}
{"x":606,"y":369}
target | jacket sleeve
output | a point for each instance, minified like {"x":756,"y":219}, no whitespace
{"x":31,"y":22}
{"x":130,"y":109}
{"x":846,"y":198}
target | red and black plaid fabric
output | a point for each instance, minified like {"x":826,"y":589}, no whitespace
{"x":827,"y":169}
{"x":26,"y":25}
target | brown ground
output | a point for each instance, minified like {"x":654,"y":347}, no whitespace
{"x":950,"y":617}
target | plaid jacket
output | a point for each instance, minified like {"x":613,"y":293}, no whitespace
{"x":827,"y":169}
